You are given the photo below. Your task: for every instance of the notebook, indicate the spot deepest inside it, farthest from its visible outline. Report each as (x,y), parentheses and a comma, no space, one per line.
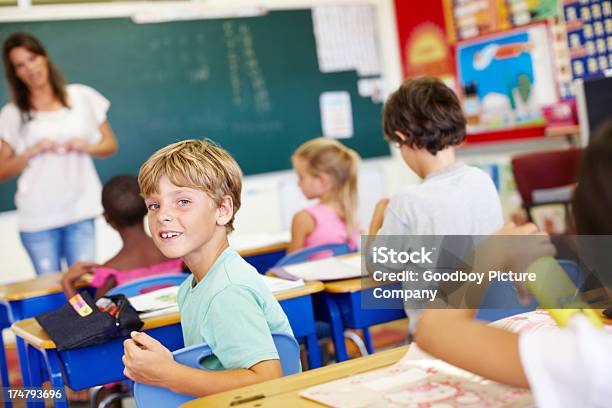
(157,303)
(323,269)
(280,285)
(420,382)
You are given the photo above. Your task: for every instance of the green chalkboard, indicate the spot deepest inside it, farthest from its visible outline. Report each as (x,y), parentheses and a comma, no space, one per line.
(251,84)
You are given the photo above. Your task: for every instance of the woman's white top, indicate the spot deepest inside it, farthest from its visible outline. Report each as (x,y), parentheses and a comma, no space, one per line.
(57,188)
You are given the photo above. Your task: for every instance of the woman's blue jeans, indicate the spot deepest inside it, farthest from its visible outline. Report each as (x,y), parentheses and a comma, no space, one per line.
(73,242)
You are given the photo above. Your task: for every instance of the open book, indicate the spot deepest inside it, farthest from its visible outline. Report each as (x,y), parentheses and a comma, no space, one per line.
(422,382)
(157,303)
(322,269)
(280,285)
(163,301)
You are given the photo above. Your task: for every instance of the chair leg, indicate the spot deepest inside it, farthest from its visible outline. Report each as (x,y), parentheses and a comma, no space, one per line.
(94,396)
(357,341)
(367,338)
(113,397)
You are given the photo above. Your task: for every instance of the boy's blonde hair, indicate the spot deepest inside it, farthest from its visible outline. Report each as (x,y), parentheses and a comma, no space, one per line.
(197,164)
(341,163)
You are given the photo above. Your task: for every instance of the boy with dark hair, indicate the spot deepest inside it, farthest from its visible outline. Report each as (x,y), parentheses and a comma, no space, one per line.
(124,210)
(423,118)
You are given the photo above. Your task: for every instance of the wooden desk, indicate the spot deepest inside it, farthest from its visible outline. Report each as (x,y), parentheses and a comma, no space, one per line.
(29,298)
(266,254)
(100,364)
(283,392)
(341,307)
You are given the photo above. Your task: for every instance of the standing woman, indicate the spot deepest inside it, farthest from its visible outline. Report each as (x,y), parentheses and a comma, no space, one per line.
(48,135)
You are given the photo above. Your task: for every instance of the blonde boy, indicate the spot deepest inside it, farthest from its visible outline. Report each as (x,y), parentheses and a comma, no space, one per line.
(192,192)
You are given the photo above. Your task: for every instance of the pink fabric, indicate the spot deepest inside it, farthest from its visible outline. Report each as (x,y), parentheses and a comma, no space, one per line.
(101,274)
(329,229)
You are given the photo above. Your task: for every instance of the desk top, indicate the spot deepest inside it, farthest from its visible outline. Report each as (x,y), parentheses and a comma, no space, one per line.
(284,391)
(52,283)
(32,333)
(38,286)
(264,249)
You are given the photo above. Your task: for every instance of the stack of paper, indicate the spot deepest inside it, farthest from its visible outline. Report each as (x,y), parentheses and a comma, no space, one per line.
(157,303)
(280,285)
(323,269)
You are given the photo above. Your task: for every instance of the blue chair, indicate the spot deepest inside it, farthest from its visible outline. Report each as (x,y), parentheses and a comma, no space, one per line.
(150,396)
(305,254)
(501,298)
(136,287)
(573,271)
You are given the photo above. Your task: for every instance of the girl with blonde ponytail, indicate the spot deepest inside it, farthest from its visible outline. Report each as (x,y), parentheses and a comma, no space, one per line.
(326,170)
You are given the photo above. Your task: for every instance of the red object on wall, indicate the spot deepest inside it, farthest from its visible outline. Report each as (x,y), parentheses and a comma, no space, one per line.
(424,47)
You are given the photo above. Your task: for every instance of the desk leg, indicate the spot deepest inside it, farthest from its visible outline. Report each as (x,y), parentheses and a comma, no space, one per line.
(337,328)
(367,339)
(23,361)
(54,368)
(314,354)
(34,371)
(4,370)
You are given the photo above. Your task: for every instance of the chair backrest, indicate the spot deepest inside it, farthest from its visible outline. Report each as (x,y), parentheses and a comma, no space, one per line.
(573,272)
(319,251)
(501,301)
(138,286)
(542,170)
(151,396)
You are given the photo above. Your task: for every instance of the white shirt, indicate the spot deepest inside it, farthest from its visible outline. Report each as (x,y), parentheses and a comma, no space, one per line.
(56,189)
(459,200)
(571,367)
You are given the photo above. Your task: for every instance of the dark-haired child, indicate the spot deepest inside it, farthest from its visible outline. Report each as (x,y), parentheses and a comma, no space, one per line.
(423,118)
(124,210)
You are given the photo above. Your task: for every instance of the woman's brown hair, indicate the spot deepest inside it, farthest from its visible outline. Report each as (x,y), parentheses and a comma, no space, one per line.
(20,94)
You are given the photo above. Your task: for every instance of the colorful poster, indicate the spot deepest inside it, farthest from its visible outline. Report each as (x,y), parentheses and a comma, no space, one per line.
(527,11)
(424,46)
(589,36)
(511,75)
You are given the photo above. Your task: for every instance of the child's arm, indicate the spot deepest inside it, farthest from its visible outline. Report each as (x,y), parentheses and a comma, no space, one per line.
(110,283)
(70,277)
(302,225)
(147,361)
(378,216)
(454,336)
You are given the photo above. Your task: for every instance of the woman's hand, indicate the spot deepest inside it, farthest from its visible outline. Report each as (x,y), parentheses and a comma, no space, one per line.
(43,146)
(75,145)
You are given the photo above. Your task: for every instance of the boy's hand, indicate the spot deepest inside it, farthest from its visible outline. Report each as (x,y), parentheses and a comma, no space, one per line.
(146,360)
(378,217)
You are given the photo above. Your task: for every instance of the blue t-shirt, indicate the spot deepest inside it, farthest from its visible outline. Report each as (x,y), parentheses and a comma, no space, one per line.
(234,312)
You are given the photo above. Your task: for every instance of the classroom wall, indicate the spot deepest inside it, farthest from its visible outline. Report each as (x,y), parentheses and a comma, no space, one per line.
(269,200)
